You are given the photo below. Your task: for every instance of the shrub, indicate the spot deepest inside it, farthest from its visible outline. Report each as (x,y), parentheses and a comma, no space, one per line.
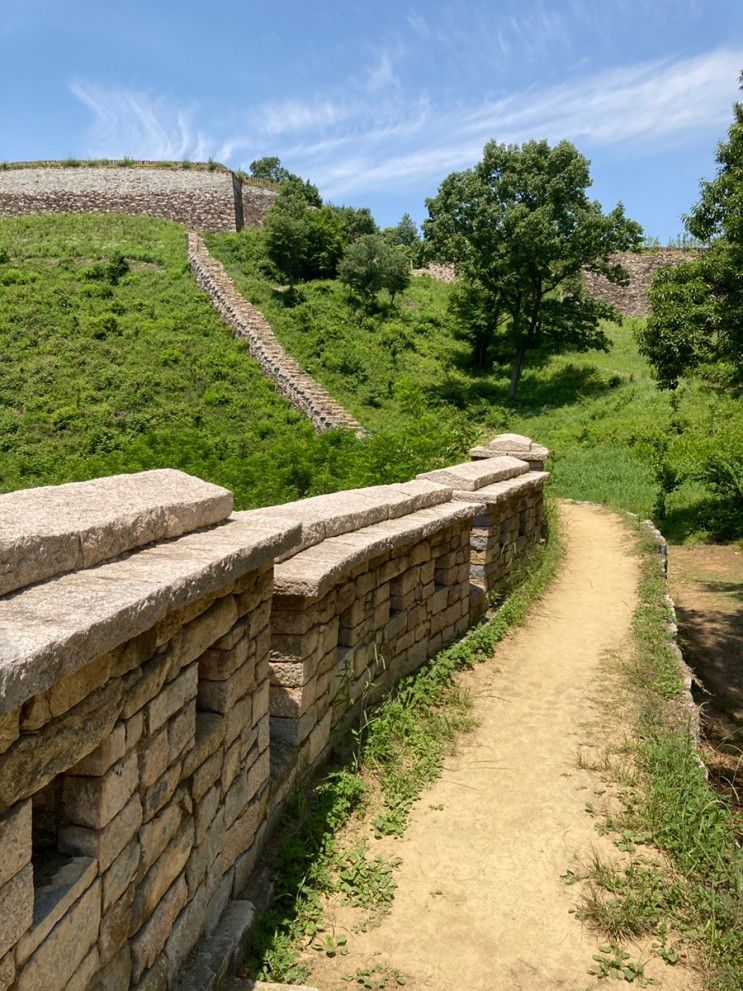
(371,264)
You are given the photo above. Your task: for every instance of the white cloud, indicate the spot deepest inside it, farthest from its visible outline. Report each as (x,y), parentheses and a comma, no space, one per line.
(357,141)
(128,122)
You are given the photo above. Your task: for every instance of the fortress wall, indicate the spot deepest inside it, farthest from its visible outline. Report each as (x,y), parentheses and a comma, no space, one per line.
(632,300)
(213,200)
(168,667)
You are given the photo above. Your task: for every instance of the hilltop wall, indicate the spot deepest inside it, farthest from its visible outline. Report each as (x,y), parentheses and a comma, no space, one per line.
(169,669)
(214,200)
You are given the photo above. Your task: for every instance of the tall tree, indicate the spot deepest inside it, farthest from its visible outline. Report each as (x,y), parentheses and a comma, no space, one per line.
(520,228)
(696,319)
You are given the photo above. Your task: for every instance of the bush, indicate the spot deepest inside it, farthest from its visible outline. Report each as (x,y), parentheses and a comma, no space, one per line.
(371,264)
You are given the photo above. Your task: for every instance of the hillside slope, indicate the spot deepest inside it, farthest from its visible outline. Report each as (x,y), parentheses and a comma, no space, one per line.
(113,360)
(614,436)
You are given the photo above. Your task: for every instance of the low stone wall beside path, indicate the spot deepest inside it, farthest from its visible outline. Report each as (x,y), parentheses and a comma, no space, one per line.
(169,666)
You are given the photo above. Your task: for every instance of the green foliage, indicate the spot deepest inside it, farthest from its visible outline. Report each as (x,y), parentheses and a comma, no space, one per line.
(112,360)
(356,221)
(303,242)
(269,168)
(521,226)
(370,264)
(601,415)
(696,323)
(672,806)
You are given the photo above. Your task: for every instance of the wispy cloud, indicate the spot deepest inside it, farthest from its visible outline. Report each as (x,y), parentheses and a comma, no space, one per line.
(128,122)
(356,142)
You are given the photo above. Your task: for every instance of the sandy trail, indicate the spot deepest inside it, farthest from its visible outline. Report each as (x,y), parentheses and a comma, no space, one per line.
(480,904)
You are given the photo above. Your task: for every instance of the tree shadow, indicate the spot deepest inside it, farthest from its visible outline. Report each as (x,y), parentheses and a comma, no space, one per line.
(562,387)
(711,515)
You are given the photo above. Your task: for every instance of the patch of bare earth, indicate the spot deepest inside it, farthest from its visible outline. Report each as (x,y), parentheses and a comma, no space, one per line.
(481,904)
(706,583)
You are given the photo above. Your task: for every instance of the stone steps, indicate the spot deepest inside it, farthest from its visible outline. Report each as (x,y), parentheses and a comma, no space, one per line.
(303,392)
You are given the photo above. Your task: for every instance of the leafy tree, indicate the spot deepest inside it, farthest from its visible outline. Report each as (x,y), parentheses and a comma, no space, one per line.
(357,221)
(696,320)
(270,169)
(478,315)
(405,232)
(521,226)
(303,242)
(370,264)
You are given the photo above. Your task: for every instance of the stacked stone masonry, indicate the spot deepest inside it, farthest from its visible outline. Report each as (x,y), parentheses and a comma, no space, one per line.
(159,652)
(249,324)
(216,200)
(631,300)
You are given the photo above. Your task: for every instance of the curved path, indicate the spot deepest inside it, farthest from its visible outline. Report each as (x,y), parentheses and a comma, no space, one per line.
(480,904)
(249,324)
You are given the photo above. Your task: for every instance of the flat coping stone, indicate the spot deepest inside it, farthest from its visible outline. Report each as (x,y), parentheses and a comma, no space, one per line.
(54,628)
(516,445)
(58,528)
(502,491)
(314,571)
(331,515)
(474,475)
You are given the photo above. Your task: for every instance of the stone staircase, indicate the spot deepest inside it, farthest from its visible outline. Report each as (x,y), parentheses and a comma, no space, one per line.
(248,323)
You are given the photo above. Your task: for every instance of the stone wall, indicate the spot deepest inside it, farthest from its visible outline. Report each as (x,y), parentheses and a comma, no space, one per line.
(167,669)
(213,200)
(249,324)
(632,300)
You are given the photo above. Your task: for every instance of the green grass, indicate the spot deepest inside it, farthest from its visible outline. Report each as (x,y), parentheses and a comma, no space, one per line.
(381,769)
(600,413)
(104,372)
(695,899)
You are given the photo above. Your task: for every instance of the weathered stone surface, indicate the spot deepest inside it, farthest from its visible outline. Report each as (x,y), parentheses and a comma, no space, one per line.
(33,760)
(115,925)
(53,899)
(116,975)
(502,491)
(104,845)
(9,730)
(73,688)
(162,874)
(203,631)
(121,873)
(95,801)
(15,840)
(156,978)
(80,980)
(155,835)
(186,931)
(52,629)
(151,938)
(514,444)
(109,750)
(473,475)
(16,907)
(66,946)
(57,528)
(7,971)
(173,697)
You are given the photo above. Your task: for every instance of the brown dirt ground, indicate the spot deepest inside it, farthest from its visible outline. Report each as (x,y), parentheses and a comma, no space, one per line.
(480,904)
(706,583)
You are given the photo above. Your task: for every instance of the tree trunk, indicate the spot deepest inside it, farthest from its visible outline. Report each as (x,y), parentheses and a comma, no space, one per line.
(518,361)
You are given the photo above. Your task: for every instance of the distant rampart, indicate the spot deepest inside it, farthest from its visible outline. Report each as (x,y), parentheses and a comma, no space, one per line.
(196,196)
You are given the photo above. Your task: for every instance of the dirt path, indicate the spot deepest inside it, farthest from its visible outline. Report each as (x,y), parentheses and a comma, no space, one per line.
(480,904)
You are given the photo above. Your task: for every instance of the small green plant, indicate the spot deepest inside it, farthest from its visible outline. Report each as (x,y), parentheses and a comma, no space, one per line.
(614,962)
(376,978)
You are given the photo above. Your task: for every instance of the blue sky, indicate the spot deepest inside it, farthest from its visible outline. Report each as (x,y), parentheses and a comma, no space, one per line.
(377,101)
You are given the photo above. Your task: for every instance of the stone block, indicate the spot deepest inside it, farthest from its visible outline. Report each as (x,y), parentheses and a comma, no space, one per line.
(182,730)
(95,801)
(151,938)
(156,978)
(104,845)
(204,856)
(16,907)
(9,729)
(67,691)
(155,835)
(162,874)
(115,925)
(208,735)
(215,665)
(53,898)
(205,776)
(205,812)
(202,632)
(143,684)
(116,975)
(80,980)
(32,761)
(220,696)
(15,840)
(7,971)
(243,714)
(186,932)
(58,958)
(121,874)
(109,750)
(161,792)
(35,713)
(153,757)
(172,697)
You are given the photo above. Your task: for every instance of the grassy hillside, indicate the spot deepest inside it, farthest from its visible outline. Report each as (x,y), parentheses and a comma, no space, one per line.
(112,367)
(601,413)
